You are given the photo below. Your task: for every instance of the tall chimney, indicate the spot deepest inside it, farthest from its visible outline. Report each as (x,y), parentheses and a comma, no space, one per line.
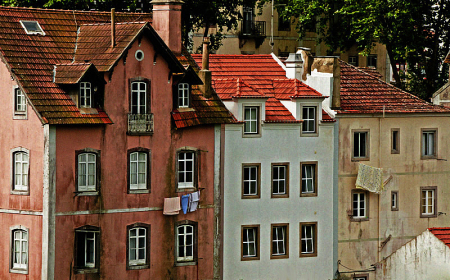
(336,96)
(113,27)
(205,74)
(167,22)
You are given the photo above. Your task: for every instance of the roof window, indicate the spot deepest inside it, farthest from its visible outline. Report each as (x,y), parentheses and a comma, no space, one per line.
(32,27)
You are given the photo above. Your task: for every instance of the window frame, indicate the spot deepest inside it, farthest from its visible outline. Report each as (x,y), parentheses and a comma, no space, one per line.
(367,144)
(395,140)
(314,238)
(364,276)
(245,121)
(23,268)
(434,206)
(97,172)
(181,95)
(366,199)
(195,243)
(394,194)
(286,241)
(258,181)
(356,60)
(370,59)
(137,265)
(24,189)
(84,269)
(196,164)
(256,228)
(315,179)
(19,114)
(286,180)
(83,95)
(147,188)
(435,143)
(315,120)
(147,93)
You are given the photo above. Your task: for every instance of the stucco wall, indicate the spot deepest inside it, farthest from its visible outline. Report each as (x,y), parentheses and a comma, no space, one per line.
(278,143)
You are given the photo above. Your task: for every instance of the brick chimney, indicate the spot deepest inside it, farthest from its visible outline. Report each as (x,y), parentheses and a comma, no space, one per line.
(205,74)
(167,22)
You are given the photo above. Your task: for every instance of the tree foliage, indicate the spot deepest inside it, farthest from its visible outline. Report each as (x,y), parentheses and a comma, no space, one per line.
(413,31)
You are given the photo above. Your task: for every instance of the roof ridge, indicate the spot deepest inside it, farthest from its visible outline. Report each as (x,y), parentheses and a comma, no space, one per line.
(64,10)
(109,23)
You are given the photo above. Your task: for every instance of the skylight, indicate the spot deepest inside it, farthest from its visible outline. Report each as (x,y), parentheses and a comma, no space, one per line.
(32,27)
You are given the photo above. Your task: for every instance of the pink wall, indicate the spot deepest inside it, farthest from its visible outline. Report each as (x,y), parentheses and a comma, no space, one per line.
(113,142)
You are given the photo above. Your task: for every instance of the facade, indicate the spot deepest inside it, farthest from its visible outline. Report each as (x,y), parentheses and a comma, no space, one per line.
(279,188)
(382,127)
(101,120)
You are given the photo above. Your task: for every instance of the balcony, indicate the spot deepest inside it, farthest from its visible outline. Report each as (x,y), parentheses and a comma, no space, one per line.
(140,124)
(252,30)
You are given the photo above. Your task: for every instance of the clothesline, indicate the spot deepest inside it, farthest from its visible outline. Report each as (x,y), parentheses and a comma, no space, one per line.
(187,203)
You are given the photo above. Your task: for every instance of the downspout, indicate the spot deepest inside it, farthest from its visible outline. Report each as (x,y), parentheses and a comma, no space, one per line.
(379,195)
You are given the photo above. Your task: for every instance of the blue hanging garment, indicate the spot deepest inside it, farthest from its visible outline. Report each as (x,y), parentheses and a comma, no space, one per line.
(184,203)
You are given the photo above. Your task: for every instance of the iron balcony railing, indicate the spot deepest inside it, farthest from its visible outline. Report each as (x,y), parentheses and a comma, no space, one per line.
(140,123)
(253,28)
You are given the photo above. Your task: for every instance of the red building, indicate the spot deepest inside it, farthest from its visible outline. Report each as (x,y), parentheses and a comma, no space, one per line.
(102,118)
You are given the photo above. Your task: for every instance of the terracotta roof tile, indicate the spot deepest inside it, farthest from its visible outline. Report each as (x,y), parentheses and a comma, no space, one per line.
(442,233)
(69,73)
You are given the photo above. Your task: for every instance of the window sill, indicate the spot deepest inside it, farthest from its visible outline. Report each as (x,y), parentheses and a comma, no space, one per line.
(190,189)
(428,157)
(308,255)
(250,258)
(16,192)
(360,159)
(308,194)
(85,270)
(352,219)
(309,134)
(185,263)
(251,135)
(18,270)
(428,216)
(17,116)
(138,191)
(136,267)
(250,196)
(86,193)
(274,257)
(286,195)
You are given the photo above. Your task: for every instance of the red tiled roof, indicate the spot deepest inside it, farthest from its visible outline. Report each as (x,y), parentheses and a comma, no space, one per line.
(442,233)
(363,93)
(31,58)
(70,73)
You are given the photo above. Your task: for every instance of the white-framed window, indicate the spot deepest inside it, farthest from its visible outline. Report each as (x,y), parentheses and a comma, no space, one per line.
(280,180)
(360,145)
(183,95)
(85,95)
(139,97)
(280,237)
(87,171)
(20,102)
(359,205)
(20,171)
(394,200)
(428,202)
(429,143)
(309,119)
(185,243)
(87,248)
(250,242)
(251,119)
(251,180)
(19,253)
(138,170)
(308,172)
(186,169)
(137,246)
(308,239)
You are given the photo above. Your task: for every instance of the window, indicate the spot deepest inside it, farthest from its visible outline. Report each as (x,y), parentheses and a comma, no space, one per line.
(186,242)
(19,250)
(364,276)
(429,143)
(283,24)
(187,170)
(280,180)
(247,24)
(87,249)
(139,97)
(251,120)
(309,119)
(428,202)
(308,174)
(359,205)
(360,145)
(183,95)
(85,95)
(372,61)
(32,27)
(395,141)
(353,60)
(308,239)
(20,170)
(280,237)
(20,102)
(251,174)
(88,171)
(138,246)
(138,170)
(394,200)
(250,242)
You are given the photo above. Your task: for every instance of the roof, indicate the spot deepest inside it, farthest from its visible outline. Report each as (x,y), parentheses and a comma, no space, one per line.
(364,93)
(442,233)
(70,73)
(258,76)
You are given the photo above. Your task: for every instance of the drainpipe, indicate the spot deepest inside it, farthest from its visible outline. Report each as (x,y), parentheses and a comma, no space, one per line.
(113,27)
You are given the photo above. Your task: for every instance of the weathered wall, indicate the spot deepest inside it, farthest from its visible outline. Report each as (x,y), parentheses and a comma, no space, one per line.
(113,142)
(359,241)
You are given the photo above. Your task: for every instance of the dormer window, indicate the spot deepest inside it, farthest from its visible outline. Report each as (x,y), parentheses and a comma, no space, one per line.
(85,95)
(309,119)
(32,27)
(251,119)
(183,95)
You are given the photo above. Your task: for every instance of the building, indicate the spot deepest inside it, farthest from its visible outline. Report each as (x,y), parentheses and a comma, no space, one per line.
(384,127)
(280,166)
(102,118)
(424,257)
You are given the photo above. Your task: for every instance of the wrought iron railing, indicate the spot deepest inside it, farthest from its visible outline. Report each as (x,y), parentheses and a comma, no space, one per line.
(253,28)
(140,123)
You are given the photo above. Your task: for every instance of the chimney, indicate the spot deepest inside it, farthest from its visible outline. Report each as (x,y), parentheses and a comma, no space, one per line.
(336,95)
(113,27)
(167,22)
(294,66)
(205,74)
(308,60)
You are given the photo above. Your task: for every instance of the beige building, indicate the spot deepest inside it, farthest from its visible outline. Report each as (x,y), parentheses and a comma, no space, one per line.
(254,36)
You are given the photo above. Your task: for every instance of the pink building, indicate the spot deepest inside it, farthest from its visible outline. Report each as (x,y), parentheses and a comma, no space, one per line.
(102,118)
